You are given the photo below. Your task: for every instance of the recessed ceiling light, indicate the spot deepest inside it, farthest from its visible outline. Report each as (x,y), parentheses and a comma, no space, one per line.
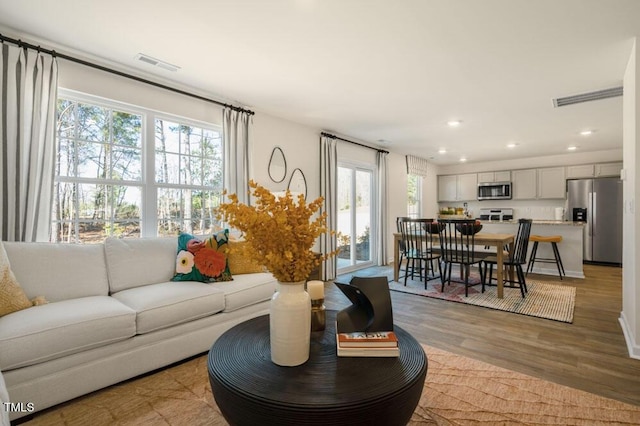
(442,151)
(586,132)
(454,123)
(512,145)
(462,159)
(572,148)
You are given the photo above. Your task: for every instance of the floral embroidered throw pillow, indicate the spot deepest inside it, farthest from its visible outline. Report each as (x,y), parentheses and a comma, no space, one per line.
(203,261)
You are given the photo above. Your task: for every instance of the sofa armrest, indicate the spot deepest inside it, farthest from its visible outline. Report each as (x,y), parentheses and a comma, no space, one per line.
(4,397)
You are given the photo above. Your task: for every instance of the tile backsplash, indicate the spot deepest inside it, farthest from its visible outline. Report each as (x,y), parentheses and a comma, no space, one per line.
(533,209)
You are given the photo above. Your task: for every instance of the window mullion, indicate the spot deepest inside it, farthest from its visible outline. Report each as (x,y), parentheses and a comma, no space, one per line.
(150,188)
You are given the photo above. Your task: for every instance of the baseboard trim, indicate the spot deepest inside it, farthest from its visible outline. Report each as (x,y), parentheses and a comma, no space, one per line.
(632,346)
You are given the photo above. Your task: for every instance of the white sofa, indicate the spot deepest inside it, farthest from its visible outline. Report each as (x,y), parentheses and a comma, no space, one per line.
(114,313)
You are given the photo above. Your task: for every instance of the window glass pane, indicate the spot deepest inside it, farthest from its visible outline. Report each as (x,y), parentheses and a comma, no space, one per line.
(167,136)
(413,195)
(363,215)
(186,173)
(91,231)
(167,168)
(127,202)
(66,119)
(64,159)
(212,173)
(92,201)
(127,129)
(93,123)
(92,160)
(127,163)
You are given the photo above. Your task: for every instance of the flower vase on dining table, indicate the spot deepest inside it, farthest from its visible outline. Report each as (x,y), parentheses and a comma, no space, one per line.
(290,324)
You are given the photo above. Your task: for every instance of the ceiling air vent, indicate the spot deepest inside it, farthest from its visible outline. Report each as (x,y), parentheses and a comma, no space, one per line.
(156,62)
(586,97)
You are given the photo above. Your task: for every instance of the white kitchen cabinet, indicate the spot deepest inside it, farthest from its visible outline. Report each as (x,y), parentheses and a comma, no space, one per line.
(503,176)
(608,169)
(551,183)
(468,187)
(458,187)
(580,171)
(594,170)
(524,184)
(448,188)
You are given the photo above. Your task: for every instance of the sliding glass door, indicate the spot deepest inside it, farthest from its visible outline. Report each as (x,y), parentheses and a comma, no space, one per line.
(355,213)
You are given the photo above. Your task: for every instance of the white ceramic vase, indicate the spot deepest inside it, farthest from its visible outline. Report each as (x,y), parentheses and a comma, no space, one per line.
(290,324)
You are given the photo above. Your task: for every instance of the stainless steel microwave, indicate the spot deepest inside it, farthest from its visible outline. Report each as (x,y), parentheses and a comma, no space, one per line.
(494,191)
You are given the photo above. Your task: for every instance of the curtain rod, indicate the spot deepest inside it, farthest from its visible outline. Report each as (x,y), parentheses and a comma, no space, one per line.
(53,53)
(329,135)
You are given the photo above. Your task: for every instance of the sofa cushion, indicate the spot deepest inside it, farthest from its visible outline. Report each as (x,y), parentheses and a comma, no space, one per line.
(12,297)
(138,262)
(246,290)
(204,261)
(59,271)
(166,304)
(62,328)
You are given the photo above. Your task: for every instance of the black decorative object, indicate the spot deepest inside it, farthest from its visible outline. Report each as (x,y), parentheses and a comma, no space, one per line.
(277,165)
(371,309)
(298,183)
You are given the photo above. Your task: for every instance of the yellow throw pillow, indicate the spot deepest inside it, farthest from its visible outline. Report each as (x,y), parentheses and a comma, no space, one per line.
(239,263)
(12,297)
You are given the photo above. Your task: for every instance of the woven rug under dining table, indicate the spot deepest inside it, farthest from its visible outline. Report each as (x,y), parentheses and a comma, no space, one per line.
(543,300)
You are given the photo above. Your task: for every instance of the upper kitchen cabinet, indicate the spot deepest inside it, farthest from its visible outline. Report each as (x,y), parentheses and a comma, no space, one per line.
(608,169)
(594,170)
(458,187)
(524,184)
(551,182)
(580,171)
(503,176)
(468,187)
(545,183)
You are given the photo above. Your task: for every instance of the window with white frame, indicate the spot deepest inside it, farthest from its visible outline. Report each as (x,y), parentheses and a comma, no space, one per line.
(414,195)
(128,172)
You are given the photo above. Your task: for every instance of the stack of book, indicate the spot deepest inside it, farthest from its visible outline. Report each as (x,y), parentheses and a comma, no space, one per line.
(368,344)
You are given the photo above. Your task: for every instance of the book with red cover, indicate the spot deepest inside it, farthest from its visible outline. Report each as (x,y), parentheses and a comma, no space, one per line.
(375,339)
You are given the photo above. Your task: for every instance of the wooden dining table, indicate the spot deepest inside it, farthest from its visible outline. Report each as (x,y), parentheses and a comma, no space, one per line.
(482,239)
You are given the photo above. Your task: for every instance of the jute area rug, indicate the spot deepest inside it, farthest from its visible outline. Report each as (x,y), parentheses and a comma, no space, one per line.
(457,391)
(544,300)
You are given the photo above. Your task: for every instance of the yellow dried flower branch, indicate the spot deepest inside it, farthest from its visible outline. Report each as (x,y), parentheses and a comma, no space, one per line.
(279,231)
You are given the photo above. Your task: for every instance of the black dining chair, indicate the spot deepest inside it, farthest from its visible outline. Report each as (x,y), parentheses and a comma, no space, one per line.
(416,243)
(401,245)
(457,242)
(515,259)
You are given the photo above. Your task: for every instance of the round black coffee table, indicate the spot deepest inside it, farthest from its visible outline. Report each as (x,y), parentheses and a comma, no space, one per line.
(326,390)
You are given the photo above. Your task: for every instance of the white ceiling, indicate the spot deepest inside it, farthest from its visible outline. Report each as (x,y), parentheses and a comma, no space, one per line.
(375,70)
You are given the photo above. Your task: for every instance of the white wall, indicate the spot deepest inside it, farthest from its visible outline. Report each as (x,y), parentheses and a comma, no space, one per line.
(110,86)
(629,318)
(300,145)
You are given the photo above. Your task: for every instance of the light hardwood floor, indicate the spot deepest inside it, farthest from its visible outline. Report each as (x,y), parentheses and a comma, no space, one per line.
(590,354)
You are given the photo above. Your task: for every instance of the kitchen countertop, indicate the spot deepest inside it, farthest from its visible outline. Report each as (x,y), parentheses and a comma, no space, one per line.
(537,222)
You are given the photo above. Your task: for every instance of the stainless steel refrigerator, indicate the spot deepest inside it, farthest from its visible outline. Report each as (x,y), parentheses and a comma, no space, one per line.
(598,202)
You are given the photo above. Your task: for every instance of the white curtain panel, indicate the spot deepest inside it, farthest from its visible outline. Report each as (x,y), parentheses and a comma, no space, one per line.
(235,129)
(416,166)
(28,93)
(328,190)
(381,210)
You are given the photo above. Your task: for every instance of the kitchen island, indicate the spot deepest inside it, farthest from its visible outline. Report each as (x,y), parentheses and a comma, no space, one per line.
(571,247)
